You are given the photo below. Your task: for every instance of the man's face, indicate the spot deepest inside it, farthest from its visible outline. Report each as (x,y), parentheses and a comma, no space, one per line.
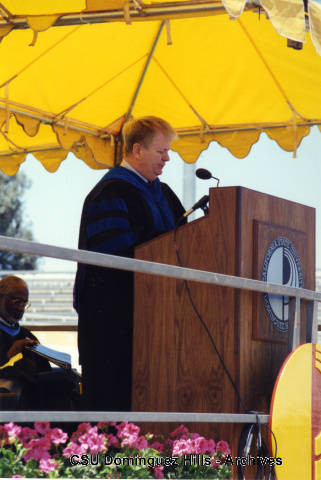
(150,160)
(15,301)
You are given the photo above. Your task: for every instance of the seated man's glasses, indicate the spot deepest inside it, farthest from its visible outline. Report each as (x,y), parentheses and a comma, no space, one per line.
(17,302)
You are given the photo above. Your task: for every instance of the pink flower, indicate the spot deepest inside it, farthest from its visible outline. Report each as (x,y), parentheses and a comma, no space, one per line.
(74,449)
(42,427)
(82,428)
(127,430)
(215,462)
(112,440)
(183,447)
(57,436)
(92,440)
(84,437)
(26,434)
(16,476)
(200,445)
(129,440)
(47,466)
(194,435)
(12,430)
(37,449)
(181,430)
(96,444)
(93,431)
(223,447)
(157,446)
(141,443)
(158,471)
(211,446)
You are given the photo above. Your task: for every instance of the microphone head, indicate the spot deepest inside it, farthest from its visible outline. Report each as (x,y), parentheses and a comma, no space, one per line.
(203,174)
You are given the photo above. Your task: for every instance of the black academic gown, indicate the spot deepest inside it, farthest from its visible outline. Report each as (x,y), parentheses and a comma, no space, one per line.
(38,386)
(105,297)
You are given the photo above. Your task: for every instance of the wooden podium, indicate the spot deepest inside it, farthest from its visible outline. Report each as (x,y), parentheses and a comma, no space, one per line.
(175,367)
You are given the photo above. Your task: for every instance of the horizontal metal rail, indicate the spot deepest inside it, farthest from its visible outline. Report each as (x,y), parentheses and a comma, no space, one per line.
(26,416)
(141,266)
(152,268)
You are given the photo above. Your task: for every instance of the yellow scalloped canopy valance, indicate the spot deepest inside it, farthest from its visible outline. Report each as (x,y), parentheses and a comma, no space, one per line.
(70,77)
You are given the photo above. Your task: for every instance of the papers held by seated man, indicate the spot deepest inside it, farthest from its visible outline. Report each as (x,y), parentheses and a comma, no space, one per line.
(61,359)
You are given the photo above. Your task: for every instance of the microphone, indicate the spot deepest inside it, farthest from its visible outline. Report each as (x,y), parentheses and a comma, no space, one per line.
(206,175)
(200,204)
(203,174)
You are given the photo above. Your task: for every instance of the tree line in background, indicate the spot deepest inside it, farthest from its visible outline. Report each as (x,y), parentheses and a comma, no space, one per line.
(13,222)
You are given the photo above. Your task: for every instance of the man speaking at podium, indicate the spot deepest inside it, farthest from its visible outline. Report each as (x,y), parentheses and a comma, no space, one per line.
(126,208)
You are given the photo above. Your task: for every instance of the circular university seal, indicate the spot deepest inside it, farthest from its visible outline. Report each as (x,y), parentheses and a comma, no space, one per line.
(281,265)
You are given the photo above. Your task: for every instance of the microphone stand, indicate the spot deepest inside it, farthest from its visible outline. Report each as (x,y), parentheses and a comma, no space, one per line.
(205,209)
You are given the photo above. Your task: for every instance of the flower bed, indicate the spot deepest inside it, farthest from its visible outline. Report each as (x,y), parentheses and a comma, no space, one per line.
(108,450)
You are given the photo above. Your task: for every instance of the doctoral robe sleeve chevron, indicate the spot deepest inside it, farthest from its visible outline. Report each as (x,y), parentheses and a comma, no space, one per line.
(108,228)
(108,224)
(117,216)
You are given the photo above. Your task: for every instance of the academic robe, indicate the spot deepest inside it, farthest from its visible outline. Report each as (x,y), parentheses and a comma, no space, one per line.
(121,212)
(38,386)
(25,369)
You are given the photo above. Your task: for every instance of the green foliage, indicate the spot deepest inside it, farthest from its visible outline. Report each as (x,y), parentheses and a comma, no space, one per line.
(12,221)
(11,460)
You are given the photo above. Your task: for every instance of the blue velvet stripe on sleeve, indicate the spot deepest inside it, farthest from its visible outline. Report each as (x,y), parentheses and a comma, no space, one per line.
(107,206)
(110,223)
(119,242)
(152,194)
(108,228)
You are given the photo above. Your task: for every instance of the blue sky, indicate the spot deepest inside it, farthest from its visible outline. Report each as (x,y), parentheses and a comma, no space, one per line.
(53,204)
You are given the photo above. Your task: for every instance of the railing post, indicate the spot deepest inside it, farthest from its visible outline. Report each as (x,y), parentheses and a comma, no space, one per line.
(312,322)
(294,322)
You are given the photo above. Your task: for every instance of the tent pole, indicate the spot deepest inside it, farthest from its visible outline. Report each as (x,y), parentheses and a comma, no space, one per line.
(189,186)
(154,12)
(141,79)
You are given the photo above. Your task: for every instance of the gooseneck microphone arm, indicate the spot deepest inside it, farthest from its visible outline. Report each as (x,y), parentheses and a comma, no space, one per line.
(202,203)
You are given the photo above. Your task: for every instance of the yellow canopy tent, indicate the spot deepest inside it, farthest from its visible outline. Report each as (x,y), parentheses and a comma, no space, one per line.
(72,72)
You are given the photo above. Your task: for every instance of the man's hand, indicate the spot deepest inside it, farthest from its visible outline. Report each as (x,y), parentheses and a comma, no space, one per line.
(19,345)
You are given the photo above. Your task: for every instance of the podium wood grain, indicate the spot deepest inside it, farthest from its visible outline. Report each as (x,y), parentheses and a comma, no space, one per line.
(175,367)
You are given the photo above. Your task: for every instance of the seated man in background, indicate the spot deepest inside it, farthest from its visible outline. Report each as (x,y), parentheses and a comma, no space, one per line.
(39,387)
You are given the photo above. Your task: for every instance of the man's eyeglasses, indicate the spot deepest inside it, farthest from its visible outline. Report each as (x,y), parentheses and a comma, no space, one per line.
(16,302)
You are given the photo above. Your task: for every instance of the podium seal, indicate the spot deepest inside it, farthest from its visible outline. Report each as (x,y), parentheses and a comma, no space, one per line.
(281,265)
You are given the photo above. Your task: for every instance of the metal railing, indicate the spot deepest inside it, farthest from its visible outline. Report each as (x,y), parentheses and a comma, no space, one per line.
(153,268)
